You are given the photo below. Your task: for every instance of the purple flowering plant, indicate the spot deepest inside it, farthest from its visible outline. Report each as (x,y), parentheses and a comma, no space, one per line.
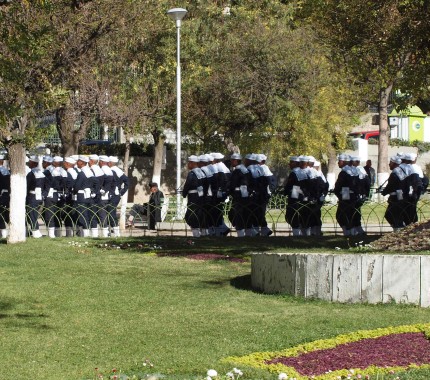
(368,354)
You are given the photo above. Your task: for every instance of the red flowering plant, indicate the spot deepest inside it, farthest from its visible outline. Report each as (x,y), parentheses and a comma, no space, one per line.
(359,355)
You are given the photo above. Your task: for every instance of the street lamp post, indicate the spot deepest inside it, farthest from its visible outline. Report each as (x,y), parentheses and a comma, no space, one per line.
(177,14)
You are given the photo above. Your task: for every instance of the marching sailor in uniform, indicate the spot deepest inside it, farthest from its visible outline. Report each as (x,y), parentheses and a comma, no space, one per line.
(69,214)
(36,191)
(83,189)
(195,193)
(345,189)
(107,189)
(4,197)
(396,188)
(240,180)
(120,188)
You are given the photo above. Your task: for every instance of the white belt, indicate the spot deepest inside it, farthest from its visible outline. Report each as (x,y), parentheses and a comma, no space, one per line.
(193,192)
(237,189)
(86,192)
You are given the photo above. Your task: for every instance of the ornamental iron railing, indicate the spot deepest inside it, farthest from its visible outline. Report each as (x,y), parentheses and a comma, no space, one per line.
(372,217)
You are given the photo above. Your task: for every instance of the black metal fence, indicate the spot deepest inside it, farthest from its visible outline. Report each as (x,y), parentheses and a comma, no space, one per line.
(173,222)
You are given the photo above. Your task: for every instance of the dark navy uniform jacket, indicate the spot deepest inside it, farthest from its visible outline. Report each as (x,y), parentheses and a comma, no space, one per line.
(120,180)
(108,185)
(4,186)
(84,185)
(37,186)
(194,187)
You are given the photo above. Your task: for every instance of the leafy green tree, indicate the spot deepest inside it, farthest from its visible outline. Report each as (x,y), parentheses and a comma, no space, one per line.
(139,74)
(383,44)
(43,47)
(255,79)
(79,27)
(25,89)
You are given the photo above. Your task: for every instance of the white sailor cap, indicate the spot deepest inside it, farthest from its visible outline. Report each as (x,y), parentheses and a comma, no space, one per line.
(409,156)
(113,159)
(70,160)
(261,157)
(317,164)
(396,160)
(83,158)
(355,158)
(312,159)
(217,156)
(251,157)
(75,157)
(48,159)
(303,158)
(94,157)
(34,159)
(344,157)
(235,156)
(294,158)
(400,154)
(104,158)
(193,158)
(1,156)
(58,159)
(203,158)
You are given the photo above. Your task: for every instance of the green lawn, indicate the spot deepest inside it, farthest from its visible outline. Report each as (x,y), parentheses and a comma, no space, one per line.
(65,309)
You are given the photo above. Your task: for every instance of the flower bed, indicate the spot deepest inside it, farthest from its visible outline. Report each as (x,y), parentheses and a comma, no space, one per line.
(363,352)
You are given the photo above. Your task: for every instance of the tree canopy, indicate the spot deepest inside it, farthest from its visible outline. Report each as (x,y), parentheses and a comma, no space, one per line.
(254,78)
(284,76)
(383,45)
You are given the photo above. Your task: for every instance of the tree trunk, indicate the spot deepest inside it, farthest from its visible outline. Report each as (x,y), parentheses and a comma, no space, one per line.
(69,149)
(126,154)
(331,166)
(69,133)
(384,131)
(159,140)
(231,147)
(18,191)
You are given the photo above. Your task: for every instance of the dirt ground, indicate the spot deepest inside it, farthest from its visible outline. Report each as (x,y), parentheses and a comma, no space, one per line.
(415,237)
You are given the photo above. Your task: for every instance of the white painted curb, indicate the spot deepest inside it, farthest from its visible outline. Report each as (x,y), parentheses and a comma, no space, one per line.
(353,278)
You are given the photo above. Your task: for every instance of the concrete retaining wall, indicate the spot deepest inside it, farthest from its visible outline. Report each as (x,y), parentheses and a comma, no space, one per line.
(350,278)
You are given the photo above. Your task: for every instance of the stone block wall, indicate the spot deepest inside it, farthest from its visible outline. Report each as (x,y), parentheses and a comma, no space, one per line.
(349,278)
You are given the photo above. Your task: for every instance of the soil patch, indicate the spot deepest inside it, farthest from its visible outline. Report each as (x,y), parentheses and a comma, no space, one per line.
(415,237)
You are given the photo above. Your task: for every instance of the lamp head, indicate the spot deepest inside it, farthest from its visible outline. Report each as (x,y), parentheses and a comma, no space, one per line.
(177,14)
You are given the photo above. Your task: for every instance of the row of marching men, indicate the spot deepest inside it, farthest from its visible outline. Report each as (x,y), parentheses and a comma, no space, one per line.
(404,187)
(306,189)
(352,188)
(250,183)
(80,193)
(209,184)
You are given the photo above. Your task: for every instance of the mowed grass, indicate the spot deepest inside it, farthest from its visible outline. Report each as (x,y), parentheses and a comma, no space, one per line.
(65,309)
